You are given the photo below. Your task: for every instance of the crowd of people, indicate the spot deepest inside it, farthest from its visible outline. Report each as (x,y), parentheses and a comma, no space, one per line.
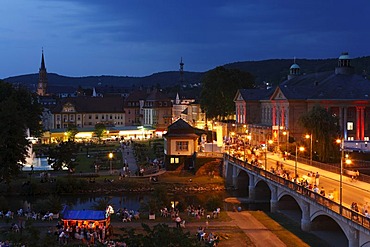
(255,155)
(86,234)
(127,215)
(210,238)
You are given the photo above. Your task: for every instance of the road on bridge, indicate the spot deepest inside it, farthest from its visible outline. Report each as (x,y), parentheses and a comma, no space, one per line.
(353,191)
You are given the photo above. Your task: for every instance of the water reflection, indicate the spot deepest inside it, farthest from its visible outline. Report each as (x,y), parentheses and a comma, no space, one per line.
(133,201)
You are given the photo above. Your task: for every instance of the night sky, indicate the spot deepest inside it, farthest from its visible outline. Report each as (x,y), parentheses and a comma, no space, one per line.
(142,37)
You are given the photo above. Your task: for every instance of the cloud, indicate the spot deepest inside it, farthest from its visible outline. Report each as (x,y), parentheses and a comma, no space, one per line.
(92,37)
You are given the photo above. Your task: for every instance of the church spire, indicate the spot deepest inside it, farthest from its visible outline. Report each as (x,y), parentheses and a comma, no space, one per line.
(42,61)
(43,80)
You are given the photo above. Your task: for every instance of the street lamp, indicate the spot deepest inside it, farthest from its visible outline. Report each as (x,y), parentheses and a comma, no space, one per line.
(310,137)
(267,142)
(296,160)
(249,137)
(285,133)
(347,161)
(110,156)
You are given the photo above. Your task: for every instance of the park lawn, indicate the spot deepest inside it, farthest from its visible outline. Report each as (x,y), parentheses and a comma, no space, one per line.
(86,163)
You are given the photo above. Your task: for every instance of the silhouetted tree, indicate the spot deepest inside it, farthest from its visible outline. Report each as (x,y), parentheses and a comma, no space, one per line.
(19,111)
(99,130)
(161,235)
(63,155)
(72,131)
(219,87)
(324,128)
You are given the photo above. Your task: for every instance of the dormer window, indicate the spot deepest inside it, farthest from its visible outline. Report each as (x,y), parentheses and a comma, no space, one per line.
(68,108)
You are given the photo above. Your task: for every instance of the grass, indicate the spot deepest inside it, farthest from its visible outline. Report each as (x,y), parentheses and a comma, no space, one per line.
(174,177)
(287,230)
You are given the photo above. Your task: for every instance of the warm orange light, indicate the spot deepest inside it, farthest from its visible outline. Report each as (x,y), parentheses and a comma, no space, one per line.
(308,136)
(110,155)
(338,141)
(270,141)
(348,161)
(301,149)
(285,133)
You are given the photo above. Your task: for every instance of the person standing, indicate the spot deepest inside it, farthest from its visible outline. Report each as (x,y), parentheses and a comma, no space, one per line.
(317,178)
(178,221)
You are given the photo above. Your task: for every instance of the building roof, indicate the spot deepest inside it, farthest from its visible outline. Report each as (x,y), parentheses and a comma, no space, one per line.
(157,95)
(84,215)
(93,104)
(255,94)
(326,85)
(295,66)
(180,128)
(137,95)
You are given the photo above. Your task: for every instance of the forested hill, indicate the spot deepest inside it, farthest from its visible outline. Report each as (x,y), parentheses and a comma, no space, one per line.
(276,70)
(273,71)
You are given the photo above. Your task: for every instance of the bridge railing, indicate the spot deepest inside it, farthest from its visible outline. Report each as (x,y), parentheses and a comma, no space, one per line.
(342,210)
(335,167)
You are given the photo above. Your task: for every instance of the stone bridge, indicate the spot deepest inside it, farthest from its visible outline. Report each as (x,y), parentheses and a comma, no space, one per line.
(316,213)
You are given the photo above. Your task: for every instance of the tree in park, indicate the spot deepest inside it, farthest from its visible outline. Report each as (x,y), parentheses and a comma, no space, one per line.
(324,128)
(160,235)
(72,131)
(63,155)
(19,111)
(219,87)
(99,131)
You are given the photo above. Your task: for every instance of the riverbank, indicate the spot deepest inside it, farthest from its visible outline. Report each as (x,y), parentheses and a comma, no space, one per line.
(64,184)
(234,228)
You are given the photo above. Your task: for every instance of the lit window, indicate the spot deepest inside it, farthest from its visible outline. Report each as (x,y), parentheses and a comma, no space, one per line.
(182,146)
(366,138)
(350,138)
(349,125)
(174,160)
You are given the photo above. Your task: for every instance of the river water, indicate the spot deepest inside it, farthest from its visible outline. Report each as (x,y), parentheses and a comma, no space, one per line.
(133,201)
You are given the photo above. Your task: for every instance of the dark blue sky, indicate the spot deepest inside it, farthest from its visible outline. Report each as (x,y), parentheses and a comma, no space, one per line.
(141,37)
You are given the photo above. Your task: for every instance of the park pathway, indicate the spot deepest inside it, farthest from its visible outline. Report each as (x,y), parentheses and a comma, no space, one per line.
(258,233)
(129,157)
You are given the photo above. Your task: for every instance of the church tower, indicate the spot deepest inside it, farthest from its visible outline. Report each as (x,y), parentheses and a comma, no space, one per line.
(43,80)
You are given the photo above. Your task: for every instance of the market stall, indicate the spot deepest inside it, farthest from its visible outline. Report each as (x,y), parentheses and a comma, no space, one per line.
(86,218)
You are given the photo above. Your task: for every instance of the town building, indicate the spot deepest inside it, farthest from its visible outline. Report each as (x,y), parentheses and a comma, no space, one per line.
(133,105)
(188,109)
(88,111)
(270,113)
(180,145)
(157,111)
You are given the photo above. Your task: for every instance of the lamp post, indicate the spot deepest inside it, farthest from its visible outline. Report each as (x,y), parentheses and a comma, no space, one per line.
(110,156)
(296,160)
(285,133)
(267,142)
(310,137)
(348,161)
(341,142)
(249,137)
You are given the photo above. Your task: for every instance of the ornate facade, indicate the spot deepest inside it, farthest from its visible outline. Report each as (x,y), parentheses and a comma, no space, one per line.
(342,92)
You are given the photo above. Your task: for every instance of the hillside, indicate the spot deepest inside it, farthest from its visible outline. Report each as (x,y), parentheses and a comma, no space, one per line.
(273,70)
